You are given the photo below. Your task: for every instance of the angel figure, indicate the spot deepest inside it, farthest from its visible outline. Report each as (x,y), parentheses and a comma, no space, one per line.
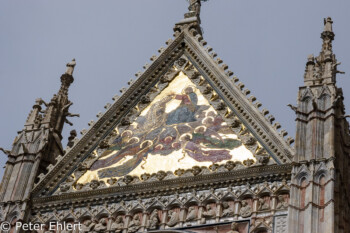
(192,214)
(101,226)
(246,209)
(282,204)
(135,224)
(227,210)
(153,219)
(210,212)
(173,217)
(118,225)
(263,205)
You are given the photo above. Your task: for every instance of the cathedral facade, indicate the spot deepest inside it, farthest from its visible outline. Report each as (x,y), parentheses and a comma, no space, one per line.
(185,148)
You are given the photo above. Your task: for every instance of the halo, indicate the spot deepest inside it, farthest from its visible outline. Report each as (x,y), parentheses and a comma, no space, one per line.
(192,86)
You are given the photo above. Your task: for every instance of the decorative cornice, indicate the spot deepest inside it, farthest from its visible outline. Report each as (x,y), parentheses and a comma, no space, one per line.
(215,180)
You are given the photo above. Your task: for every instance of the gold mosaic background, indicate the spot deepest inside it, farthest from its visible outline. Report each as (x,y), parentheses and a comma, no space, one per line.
(179,129)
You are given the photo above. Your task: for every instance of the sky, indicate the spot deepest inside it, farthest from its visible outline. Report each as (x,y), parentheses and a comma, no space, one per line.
(265,43)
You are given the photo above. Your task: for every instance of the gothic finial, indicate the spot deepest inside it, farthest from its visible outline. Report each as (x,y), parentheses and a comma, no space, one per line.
(327,35)
(70,67)
(323,68)
(67,78)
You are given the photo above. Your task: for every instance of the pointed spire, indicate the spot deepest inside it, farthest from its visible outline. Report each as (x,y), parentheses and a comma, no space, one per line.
(67,78)
(58,109)
(323,69)
(327,36)
(34,119)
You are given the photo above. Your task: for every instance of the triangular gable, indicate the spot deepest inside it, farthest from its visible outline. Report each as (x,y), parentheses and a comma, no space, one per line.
(184,57)
(179,129)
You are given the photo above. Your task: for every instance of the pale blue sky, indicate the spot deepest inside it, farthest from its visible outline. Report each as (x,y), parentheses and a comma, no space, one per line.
(265,43)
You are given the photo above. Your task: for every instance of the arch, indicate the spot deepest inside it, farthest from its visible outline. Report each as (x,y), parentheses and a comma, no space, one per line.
(174,205)
(136,210)
(157,206)
(322,172)
(118,213)
(282,192)
(324,101)
(303,184)
(303,175)
(11,216)
(12,221)
(68,218)
(228,198)
(36,145)
(246,196)
(84,218)
(192,202)
(322,191)
(306,104)
(209,202)
(101,215)
(264,194)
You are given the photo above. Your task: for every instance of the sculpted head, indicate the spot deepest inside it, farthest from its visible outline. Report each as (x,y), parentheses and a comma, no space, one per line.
(119,219)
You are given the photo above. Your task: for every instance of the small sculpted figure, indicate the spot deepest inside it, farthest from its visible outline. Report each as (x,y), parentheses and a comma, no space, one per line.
(118,225)
(210,212)
(234,228)
(263,205)
(101,226)
(195,6)
(192,214)
(70,67)
(153,219)
(87,226)
(135,224)
(228,210)
(282,204)
(173,218)
(246,210)
(328,24)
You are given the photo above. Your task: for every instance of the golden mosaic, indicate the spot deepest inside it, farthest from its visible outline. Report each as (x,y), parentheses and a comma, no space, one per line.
(179,129)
